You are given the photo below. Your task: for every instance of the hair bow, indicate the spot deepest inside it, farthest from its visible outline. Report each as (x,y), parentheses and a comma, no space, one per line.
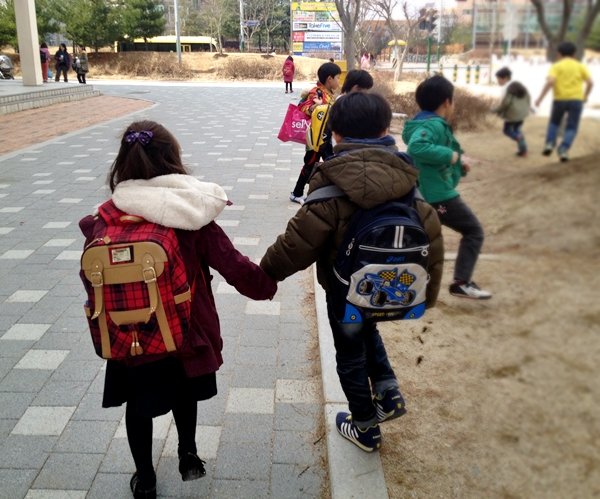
(142,137)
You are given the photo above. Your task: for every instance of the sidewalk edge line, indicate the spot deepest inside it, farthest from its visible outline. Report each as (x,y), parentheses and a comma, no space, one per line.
(352,472)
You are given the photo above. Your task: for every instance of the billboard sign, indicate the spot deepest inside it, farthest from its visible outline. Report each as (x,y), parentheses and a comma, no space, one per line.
(322,26)
(316,30)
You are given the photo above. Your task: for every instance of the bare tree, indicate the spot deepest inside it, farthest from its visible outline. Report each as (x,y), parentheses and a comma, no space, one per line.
(399,30)
(217,13)
(349,11)
(555,38)
(364,30)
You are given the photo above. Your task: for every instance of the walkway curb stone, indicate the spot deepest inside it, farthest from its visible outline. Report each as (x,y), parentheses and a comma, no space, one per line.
(352,472)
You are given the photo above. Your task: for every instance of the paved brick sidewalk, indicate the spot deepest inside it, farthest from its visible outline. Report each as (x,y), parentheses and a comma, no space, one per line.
(31,127)
(258,434)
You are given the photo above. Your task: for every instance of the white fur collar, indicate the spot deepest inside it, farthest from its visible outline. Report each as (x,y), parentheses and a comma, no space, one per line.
(177,201)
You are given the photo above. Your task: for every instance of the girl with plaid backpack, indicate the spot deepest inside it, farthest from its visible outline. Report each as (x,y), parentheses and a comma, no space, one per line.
(152,190)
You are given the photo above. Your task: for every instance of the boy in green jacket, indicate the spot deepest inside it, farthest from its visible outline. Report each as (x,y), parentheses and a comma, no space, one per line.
(437,154)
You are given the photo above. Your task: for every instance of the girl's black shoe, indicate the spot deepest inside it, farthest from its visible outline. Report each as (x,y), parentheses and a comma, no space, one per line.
(139,493)
(191,467)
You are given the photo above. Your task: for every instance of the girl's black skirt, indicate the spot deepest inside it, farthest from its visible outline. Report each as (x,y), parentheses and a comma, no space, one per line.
(155,388)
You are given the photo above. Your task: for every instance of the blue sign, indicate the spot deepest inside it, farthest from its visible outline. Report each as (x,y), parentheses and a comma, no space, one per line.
(317,46)
(252,23)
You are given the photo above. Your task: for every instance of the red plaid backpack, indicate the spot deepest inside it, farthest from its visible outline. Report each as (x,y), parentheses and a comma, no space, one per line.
(139,299)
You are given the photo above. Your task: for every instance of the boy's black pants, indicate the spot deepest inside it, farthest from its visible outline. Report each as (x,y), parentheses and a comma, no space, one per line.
(455,214)
(361,357)
(310,159)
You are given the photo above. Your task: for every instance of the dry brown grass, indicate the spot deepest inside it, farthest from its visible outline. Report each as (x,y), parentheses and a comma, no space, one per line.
(197,66)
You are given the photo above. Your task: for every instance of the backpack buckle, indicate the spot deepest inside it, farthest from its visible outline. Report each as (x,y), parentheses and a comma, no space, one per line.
(151,277)
(96,279)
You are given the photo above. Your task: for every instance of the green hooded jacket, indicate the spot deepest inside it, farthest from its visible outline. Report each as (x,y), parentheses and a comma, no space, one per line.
(430,144)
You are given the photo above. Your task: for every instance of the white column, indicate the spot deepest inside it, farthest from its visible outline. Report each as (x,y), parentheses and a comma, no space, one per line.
(27,34)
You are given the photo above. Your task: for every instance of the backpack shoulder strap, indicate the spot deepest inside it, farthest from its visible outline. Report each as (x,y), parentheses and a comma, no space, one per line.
(324,193)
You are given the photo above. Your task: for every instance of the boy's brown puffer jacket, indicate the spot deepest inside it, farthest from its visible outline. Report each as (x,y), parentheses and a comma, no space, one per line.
(369,176)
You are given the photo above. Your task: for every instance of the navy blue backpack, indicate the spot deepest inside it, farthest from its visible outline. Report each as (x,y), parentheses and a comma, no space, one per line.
(381,270)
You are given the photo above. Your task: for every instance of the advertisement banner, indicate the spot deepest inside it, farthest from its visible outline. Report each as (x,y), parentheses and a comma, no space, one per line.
(320,36)
(314,6)
(299,15)
(321,47)
(298,36)
(322,26)
(297,46)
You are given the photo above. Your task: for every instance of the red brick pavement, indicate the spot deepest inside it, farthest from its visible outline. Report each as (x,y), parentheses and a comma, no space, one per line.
(27,128)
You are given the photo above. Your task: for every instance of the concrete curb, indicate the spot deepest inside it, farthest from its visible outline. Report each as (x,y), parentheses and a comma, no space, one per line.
(352,472)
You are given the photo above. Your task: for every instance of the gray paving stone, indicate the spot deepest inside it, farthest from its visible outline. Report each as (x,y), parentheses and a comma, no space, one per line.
(90,409)
(26,451)
(25,380)
(14,405)
(86,436)
(110,485)
(295,332)
(169,483)
(257,356)
(261,323)
(245,376)
(243,461)
(211,412)
(61,393)
(15,483)
(247,428)
(239,489)
(289,481)
(6,321)
(254,338)
(118,457)
(294,447)
(14,348)
(297,417)
(58,341)
(6,426)
(6,364)
(68,471)
(77,370)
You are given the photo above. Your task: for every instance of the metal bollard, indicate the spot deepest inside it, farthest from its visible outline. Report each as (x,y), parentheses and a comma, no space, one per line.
(455,73)
(477,75)
(441,70)
(469,73)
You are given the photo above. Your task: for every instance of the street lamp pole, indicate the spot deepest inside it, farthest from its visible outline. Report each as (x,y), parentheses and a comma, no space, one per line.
(241,25)
(177,32)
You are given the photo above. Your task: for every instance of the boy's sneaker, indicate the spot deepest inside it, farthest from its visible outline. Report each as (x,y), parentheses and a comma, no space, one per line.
(563,155)
(389,404)
(522,154)
(469,290)
(297,199)
(368,440)
(548,149)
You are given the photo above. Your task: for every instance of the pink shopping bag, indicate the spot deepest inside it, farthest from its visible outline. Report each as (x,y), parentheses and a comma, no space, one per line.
(295,125)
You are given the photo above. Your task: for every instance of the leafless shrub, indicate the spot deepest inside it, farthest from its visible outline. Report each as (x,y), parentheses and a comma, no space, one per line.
(471,112)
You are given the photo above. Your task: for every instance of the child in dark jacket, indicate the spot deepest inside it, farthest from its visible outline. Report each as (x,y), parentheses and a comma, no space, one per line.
(329,80)
(149,180)
(437,153)
(370,172)
(514,108)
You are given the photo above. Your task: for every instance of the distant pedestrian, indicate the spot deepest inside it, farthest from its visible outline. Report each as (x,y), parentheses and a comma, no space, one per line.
(364,62)
(437,154)
(566,78)
(63,62)
(45,58)
(288,74)
(82,69)
(514,108)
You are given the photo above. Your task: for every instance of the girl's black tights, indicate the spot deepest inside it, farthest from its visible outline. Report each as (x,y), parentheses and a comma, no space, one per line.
(139,435)
(290,85)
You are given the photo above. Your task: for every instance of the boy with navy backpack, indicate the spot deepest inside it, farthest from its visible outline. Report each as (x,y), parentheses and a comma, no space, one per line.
(358,223)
